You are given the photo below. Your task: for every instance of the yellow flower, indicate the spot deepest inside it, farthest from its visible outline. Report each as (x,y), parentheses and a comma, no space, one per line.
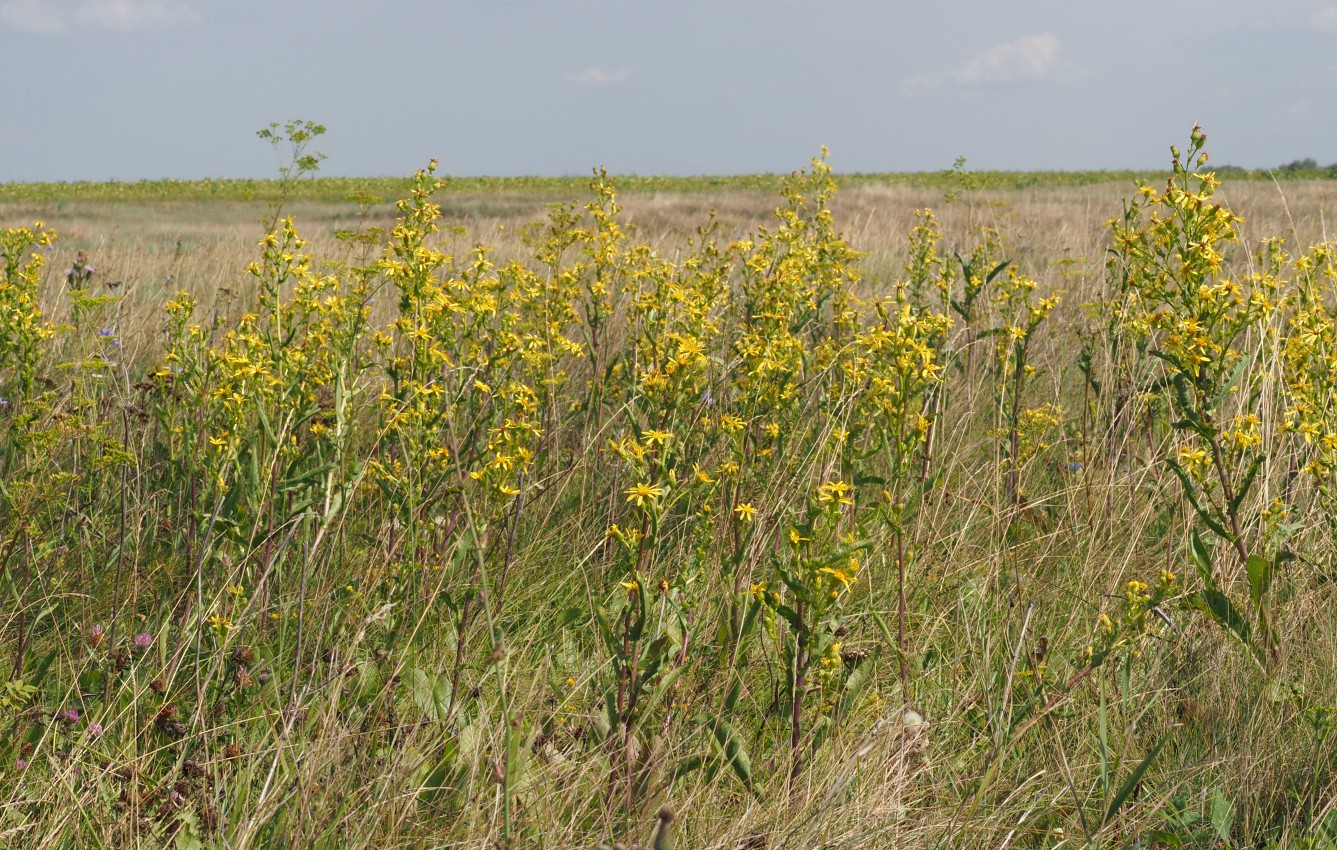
(835,491)
(745,512)
(658,438)
(643,492)
(839,575)
(796,538)
(730,424)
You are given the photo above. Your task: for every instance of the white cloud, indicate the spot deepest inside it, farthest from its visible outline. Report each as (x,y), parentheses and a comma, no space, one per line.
(35,16)
(600,77)
(1325,20)
(1030,59)
(1026,60)
(131,15)
(48,16)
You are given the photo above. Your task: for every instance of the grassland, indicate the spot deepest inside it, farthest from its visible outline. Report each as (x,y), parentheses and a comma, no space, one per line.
(338,190)
(838,528)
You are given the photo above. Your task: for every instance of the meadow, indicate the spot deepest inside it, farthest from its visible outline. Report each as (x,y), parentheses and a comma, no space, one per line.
(952,510)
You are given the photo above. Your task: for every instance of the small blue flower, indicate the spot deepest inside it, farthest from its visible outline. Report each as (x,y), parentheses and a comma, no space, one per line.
(1075,466)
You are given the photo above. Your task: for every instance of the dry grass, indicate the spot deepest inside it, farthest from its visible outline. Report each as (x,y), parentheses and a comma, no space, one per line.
(986,607)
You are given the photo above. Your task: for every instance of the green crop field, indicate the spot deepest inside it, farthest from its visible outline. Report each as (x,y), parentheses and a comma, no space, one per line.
(863,511)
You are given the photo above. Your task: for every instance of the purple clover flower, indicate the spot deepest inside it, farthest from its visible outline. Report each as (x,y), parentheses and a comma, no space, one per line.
(143,640)
(95,729)
(70,716)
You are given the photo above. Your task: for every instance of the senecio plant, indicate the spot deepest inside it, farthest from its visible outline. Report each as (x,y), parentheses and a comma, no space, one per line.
(1216,335)
(590,537)
(22,328)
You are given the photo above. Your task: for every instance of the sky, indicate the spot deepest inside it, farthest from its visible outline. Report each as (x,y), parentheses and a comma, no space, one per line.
(149,89)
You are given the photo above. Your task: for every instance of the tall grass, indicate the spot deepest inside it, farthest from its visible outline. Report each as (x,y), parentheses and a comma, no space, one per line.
(814,522)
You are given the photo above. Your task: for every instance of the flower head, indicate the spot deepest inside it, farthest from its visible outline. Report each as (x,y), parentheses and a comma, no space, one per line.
(641,493)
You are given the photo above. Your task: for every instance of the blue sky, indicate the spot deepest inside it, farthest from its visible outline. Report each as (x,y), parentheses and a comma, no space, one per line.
(132,89)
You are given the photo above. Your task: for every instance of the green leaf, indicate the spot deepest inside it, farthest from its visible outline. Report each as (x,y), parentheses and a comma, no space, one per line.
(610,709)
(1131,782)
(1245,485)
(1260,577)
(731,696)
(751,608)
(1202,558)
(1219,606)
(1326,829)
(308,477)
(638,619)
(1222,814)
(187,836)
(657,696)
(849,696)
(368,684)
(443,776)
(997,270)
(1192,495)
(687,766)
(732,750)
(266,425)
(841,554)
(1235,376)
(430,693)
(40,670)
(821,727)
(573,616)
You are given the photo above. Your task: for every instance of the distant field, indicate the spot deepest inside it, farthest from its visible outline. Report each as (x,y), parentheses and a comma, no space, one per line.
(335,189)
